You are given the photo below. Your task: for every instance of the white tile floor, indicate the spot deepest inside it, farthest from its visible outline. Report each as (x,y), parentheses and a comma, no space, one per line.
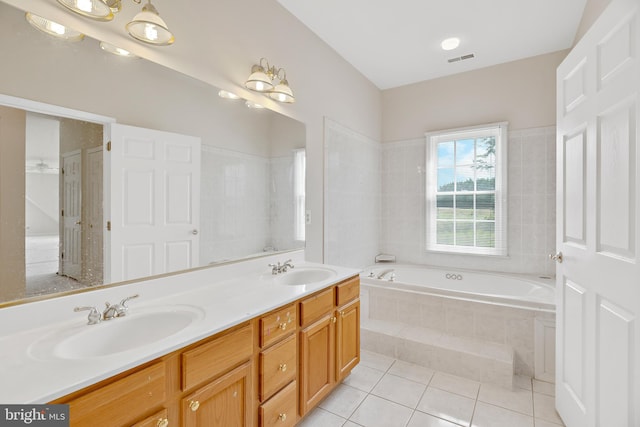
(384,392)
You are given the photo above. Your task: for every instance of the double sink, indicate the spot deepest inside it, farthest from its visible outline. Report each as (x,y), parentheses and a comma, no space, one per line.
(145,326)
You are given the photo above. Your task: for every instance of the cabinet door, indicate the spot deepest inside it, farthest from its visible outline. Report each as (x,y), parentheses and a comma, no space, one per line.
(317,362)
(347,338)
(225,402)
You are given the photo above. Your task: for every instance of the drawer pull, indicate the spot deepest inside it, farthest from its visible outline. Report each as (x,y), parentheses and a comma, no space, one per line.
(282,417)
(282,367)
(162,422)
(334,319)
(194,405)
(282,326)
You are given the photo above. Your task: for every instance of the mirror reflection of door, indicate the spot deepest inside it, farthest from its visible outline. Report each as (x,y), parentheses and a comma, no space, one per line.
(60,245)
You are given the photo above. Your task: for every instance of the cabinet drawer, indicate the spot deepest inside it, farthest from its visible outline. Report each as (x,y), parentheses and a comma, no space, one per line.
(316,306)
(215,357)
(277,367)
(348,290)
(277,325)
(122,402)
(159,419)
(280,410)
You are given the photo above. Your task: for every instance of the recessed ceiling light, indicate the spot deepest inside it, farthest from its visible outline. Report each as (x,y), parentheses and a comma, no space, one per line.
(450,44)
(227,95)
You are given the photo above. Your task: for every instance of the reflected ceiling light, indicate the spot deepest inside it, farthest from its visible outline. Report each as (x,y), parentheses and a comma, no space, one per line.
(450,44)
(148,27)
(252,104)
(263,77)
(53,28)
(94,9)
(227,95)
(108,47)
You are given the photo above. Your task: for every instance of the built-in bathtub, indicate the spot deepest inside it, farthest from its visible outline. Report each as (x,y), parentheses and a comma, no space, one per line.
(486,326)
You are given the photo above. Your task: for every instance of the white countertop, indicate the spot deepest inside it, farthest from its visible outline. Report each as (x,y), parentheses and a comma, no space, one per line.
(223,296)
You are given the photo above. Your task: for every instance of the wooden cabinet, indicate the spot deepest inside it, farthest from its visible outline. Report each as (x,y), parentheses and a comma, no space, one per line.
(225,402)
(268,371)
(330,346)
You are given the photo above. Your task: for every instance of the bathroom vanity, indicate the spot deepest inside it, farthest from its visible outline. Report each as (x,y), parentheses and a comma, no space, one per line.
(287,345)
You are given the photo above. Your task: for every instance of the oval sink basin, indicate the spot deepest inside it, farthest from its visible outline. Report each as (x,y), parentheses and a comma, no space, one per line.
(118,335)
(305,276)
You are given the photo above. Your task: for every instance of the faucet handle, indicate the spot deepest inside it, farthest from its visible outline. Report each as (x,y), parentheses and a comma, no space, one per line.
(94,315)
(122,308)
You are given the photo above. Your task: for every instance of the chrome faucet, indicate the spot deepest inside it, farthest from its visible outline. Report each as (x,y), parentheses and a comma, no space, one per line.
(281,268)
(110,311)
(383,273)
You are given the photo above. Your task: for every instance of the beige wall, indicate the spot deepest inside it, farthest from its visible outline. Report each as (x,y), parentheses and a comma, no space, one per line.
(521,92)
(12,188)
(220,40)
(592,10)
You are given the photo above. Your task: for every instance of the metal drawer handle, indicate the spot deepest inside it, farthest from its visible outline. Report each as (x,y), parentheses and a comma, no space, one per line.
(282,367)
(194,405)
(162,422)
(282,417)
(282,326)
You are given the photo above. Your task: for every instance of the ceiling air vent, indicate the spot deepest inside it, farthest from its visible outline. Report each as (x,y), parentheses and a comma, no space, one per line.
(461,58)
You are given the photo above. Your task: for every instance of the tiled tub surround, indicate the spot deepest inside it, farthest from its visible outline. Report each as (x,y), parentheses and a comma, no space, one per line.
(477,337)
(531,205)
(225,295)
(352,197)
(246,205)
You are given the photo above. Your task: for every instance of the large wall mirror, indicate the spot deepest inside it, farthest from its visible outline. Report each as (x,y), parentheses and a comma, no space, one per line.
(53,213)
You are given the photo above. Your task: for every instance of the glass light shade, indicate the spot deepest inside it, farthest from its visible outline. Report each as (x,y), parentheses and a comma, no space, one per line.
(53,28)
(108,47)
(282,93)
(94,9)
(227,95)
(148,27)
(258,81)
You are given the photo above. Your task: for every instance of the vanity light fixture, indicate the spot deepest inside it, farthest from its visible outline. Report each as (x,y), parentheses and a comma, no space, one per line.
(450,43)
(262,79)
(108,47)
(146,26)
(53,28)
(227,95)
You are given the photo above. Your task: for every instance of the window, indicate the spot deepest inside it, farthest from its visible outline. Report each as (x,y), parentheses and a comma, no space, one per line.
(466,190)
(299,165)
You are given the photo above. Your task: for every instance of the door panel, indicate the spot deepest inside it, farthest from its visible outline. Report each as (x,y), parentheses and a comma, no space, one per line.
(155,202)
(598,229)
(71,248)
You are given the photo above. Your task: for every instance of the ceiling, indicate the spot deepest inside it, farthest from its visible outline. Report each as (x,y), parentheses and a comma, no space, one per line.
(395,43)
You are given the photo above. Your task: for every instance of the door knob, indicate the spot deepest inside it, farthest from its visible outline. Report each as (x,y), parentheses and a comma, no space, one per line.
(556,257)
(194,232)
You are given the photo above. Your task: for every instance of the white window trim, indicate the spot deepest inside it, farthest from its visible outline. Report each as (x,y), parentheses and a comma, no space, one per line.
(299,167)
(500,130)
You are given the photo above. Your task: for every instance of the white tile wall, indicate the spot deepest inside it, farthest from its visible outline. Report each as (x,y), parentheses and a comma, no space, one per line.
(245,200)
(352,196)
(531,210)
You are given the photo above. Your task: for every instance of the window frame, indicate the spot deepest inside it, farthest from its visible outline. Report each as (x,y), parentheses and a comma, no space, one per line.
(299,193)
(500,131)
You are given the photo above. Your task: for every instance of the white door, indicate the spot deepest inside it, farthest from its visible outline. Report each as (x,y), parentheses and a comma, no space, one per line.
(154,202)
(94,217)
(71,245)
(598,228)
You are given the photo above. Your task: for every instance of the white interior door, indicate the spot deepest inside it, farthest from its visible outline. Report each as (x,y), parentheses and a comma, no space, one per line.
(155,202)
(71,245)
(94,217)
(598,230)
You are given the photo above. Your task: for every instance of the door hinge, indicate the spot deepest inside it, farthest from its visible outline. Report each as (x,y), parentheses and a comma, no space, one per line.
(62,212)
(108,225)
(62,255)
(62,171)
(109,146)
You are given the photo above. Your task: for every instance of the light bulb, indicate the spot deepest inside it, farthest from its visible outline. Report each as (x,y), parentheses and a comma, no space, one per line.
(150,32)
(84,5)
(55,27)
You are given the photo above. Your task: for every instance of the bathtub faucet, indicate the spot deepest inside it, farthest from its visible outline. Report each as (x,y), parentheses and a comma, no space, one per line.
(390,272)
